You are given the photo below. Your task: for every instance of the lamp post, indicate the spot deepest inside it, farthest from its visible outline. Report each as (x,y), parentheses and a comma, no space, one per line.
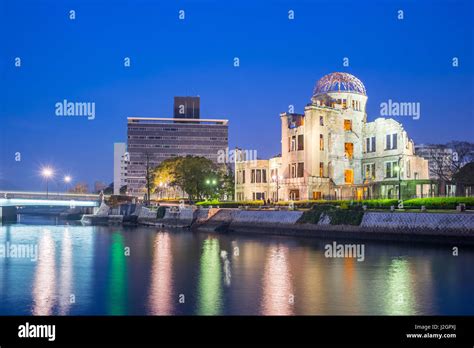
(47,173)
(67,180)
(211,182)
(276,179)
(398,169)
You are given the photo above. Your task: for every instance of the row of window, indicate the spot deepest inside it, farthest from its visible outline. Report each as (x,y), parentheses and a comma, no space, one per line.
(294,145)
(199,128)
(391,143)
(152,137)
(257,176)
(174,146)
(391,170)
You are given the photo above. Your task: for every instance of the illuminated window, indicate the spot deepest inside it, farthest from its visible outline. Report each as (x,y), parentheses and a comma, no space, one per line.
(321,169)
(321,142)
(347,125)
(349,150)
(369,171)
(391,169)
(316,195)
(349,176)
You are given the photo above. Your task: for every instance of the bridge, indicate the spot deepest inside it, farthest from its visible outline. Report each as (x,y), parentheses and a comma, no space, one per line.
(11,200)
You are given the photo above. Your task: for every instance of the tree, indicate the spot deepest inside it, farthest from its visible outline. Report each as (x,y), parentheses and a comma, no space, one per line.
(446,165)
(226,185)
(199,177)
(149,173)
(195,176)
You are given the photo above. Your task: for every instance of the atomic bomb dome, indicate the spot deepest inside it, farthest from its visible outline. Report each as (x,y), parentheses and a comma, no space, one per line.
(339,82)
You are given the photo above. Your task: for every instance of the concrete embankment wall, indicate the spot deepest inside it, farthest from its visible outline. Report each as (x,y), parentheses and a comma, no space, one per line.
(436,227)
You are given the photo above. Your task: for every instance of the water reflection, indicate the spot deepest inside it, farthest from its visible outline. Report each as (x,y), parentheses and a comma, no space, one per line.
(261,275)
(399,298)
(117,296)
(66,274)
(210,279)
(45,280)
(161,287)
(277,284)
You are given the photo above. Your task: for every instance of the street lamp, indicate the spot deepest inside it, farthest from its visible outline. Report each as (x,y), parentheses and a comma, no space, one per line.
(211,182)
(277,178)
(47,173)
(398,170)
(67,180)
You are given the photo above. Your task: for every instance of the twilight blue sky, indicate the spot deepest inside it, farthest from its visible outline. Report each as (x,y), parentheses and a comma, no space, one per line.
(281,60)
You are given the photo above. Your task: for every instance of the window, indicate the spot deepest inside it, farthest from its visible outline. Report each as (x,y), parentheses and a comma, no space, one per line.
(391,169)
(293,143)
(391,141)
(321,169)
(408,169)
(349,150)
(243,176)
(347,125)
(349,176)
(369,171)
(259,196)
(257,176)
(321,120)
(300,142)
(370,144)
(293,170)
(300,169)
(321,142)
(289,144)
(316,195)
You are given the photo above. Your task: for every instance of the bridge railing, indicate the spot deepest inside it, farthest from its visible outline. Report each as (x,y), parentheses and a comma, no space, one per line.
(50,195)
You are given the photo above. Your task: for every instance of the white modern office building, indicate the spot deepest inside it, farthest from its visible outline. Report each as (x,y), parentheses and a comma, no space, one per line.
(121,161)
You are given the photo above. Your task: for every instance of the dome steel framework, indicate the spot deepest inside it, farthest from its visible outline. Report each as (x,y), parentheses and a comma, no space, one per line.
(339,82)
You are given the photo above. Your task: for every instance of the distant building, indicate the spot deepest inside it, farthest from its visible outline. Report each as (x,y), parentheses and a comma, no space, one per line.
(437,156)
(331,151)
(153,140)
(186,107)
(121,161)
(445,160)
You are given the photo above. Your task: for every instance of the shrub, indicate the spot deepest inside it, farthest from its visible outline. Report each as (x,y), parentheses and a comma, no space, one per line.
(438,202)
(346,217)
(224,204)
(351,215)
(313,215)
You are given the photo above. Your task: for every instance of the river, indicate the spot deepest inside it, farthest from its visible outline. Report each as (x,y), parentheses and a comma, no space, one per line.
(116,270)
